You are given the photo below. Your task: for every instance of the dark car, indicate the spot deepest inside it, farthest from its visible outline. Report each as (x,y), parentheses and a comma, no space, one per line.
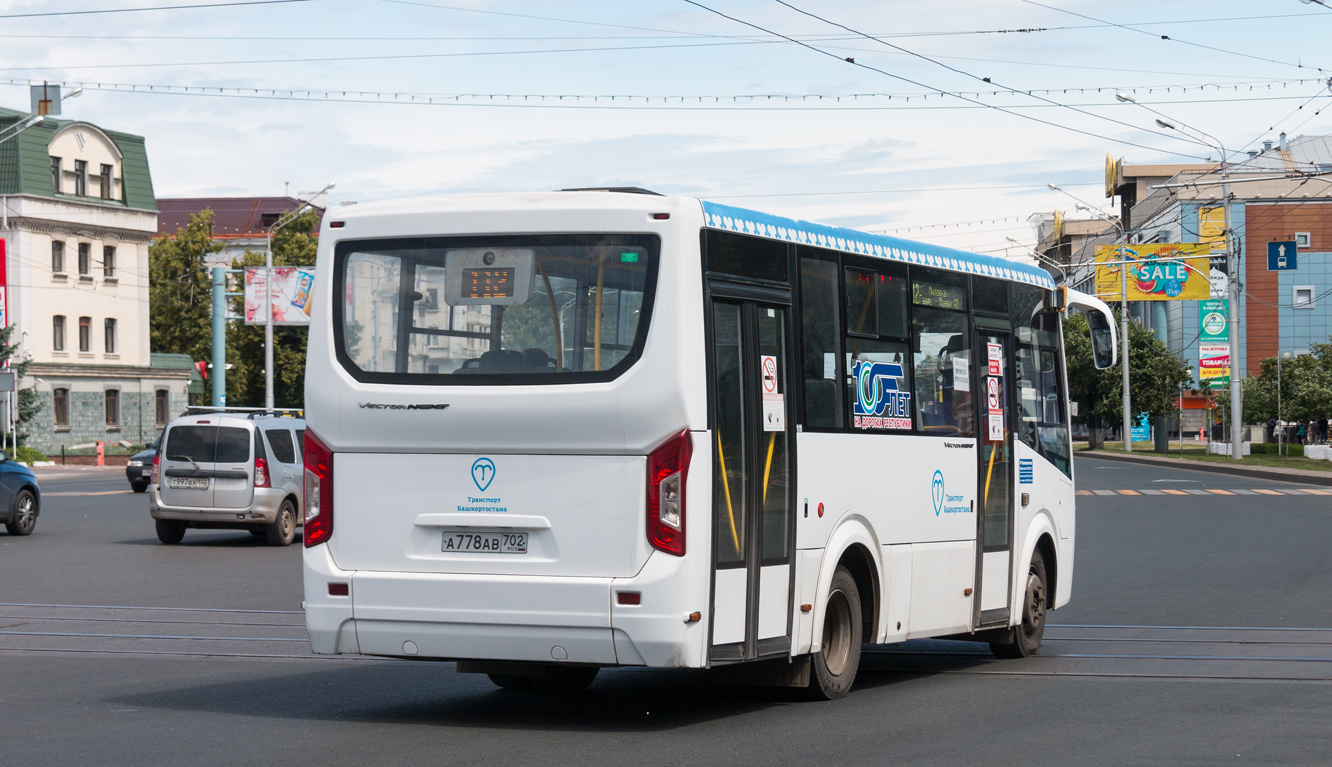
(140,467)
(20,498)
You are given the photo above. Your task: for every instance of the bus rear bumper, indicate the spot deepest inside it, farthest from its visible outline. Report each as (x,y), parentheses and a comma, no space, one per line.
(503,618)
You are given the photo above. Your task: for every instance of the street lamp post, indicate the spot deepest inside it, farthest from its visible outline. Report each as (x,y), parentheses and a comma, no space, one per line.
(1232,265)
(282,221)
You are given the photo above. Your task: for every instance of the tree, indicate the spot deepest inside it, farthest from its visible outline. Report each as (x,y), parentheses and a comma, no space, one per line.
(28,403)
(180,289)
(1306,387)
(1155,377)
(293,245)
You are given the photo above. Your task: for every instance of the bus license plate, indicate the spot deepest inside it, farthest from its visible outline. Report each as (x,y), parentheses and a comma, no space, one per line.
(187,483)
(484,542)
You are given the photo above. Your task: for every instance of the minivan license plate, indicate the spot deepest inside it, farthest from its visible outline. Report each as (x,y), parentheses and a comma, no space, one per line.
(188,483)
(484,542)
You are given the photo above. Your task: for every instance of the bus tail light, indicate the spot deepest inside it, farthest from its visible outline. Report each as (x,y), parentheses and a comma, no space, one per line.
(261,473)
(668,468)
(154,474)
(318,492)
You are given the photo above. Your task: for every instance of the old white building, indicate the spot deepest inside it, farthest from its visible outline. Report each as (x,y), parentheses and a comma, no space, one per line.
(78,215)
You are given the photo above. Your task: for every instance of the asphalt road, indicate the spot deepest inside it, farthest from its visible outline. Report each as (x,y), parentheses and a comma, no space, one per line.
(1200,633)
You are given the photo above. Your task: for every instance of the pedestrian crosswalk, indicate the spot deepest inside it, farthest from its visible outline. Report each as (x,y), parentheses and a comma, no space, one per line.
(1300,491)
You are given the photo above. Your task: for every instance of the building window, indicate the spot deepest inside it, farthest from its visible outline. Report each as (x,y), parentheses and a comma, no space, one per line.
(163,407)
(55,173)
(85,334)
(110,326)
(1304,297)
(57,256)
(112,407)
(266,220)
(108,261)
(61,407)
(81,178)
(1302,239)
(58,332)
(85,259)
(105,180)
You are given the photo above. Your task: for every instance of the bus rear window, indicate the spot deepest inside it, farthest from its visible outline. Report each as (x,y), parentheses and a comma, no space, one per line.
(512,309)
(208,444)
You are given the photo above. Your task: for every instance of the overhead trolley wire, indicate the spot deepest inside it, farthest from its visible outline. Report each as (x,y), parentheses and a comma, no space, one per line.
(1174,135)
(138,10)
(886,73)
(1130,28)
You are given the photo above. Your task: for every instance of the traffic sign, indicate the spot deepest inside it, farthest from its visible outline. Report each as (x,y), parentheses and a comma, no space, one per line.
(1281,256)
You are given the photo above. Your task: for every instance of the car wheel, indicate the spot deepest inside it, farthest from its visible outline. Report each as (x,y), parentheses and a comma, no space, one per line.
(139,487)
(170,531)
(283,529)
(1025,638)
(24,516)
(838,659)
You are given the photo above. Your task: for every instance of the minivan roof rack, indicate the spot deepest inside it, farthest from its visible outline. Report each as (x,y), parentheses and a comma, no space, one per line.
(617,189)
(252,412)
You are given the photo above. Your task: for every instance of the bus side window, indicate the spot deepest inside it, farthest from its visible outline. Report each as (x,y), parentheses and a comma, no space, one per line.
(942,372)
(819,343)
(1028,382)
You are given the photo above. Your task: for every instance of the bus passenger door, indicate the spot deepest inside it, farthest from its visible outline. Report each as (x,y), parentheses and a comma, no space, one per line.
(994,534)
(752,511)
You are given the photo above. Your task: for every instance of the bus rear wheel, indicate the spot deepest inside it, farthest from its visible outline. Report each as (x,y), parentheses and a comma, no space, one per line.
(1024,639)
(833,667)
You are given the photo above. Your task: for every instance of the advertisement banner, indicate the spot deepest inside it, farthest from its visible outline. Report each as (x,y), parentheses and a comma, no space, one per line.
(1213,326)
(290,295)
(1163,272)
(1214,365)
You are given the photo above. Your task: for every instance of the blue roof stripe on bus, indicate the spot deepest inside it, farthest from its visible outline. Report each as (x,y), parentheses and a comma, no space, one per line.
(731,219)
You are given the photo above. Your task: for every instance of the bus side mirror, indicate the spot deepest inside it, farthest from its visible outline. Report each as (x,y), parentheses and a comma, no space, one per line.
(1102,340)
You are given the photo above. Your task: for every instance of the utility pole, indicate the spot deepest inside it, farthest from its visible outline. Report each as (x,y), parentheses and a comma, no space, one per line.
(219,336)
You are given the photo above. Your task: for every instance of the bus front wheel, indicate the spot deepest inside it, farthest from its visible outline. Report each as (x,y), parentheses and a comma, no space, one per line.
(1025,638)
(834,666)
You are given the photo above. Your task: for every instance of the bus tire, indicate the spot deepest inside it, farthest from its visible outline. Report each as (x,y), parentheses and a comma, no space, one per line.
(283,530)
(833,667)
(520,682)
(170,531)
(1024,639)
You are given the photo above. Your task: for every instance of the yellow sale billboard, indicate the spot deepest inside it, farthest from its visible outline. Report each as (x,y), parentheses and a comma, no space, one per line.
(1160,272)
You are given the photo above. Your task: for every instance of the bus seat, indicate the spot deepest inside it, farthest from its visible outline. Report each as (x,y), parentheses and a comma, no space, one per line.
(502,361)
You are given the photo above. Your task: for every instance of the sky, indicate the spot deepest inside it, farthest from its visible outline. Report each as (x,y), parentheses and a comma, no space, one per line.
(936,121)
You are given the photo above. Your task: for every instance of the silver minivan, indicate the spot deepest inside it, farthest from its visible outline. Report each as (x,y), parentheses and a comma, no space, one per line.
(233,469)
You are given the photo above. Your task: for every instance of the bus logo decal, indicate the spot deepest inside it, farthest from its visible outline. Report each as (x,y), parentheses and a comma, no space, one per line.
(937,491)
(880,403)
(483,473)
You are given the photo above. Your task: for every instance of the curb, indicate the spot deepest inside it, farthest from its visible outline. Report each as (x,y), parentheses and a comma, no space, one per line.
(1256,472)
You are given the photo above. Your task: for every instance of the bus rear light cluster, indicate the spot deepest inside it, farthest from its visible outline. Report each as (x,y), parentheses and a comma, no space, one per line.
(668,468)
(318,491)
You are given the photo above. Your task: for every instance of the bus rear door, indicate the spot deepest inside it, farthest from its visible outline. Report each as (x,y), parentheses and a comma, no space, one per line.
(752,447)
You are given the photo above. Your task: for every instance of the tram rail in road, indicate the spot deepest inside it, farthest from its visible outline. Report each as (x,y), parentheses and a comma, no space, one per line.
(1275,654)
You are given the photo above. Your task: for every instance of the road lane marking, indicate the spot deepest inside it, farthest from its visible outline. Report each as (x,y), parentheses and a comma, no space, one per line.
(1265,491)
(1221,492)
(1129,492)
(1174,492)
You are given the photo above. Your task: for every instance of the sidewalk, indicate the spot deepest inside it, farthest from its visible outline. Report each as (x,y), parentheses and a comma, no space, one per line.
(1276,473)
(71,471)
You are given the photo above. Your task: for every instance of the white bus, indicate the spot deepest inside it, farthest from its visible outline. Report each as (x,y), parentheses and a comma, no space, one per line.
(553,432)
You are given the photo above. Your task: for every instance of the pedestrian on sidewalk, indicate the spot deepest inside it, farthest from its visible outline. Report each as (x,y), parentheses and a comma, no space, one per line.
(1322,430)
(1300,433)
